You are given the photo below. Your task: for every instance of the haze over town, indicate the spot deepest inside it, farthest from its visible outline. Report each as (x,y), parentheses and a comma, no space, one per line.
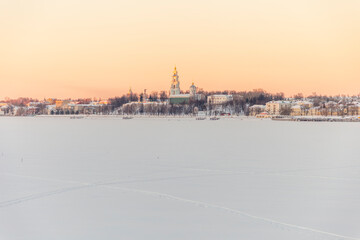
(81,49)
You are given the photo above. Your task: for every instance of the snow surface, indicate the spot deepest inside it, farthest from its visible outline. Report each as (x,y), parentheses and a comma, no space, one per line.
(109,178)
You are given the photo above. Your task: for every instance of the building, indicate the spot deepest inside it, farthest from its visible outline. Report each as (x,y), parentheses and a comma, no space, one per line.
(175,84)
(192,90)
(61,103)
(263,115)
(305,104)
(218,99)
(354,109)
(4,108)
(180,99)
(275,107)
(296,110)
(50,101)
(315,111)
(175,94)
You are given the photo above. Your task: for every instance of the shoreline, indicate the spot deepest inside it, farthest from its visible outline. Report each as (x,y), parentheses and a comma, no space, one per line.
(240,117)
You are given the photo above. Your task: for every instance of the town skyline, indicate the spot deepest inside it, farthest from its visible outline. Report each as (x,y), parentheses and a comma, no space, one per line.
(159,91)
(141,91)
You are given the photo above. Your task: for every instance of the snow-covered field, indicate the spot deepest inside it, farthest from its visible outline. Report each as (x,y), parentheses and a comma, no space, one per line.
(109,178)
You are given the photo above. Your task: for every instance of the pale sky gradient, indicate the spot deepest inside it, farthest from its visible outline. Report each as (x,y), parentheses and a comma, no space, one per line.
(99,48)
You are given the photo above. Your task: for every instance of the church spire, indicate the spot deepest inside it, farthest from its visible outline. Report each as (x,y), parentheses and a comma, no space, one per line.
(175,84)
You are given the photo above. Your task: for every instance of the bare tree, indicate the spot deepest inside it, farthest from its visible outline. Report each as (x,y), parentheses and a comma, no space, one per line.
(285,110)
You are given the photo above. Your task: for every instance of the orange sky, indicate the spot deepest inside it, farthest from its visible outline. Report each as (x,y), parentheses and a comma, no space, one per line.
(99,48)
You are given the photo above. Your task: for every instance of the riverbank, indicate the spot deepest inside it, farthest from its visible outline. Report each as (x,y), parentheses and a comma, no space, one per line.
(318,119)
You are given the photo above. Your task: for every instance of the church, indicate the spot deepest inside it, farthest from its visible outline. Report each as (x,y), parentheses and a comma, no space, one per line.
(175,94)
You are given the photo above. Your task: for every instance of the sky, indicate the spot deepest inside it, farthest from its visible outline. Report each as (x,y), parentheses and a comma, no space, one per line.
(101,48)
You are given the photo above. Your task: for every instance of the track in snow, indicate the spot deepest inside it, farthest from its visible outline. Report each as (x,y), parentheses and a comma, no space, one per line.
(164,196)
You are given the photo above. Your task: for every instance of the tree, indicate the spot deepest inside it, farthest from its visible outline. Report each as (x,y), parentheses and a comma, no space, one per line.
(154,96)
(299,96)
(285,110)
(163,96)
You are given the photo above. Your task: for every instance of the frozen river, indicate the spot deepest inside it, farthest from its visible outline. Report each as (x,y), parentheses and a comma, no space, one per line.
(109,178)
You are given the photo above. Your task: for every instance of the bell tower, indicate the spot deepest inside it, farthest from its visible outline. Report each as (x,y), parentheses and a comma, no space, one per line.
(192,90)
(175,84)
